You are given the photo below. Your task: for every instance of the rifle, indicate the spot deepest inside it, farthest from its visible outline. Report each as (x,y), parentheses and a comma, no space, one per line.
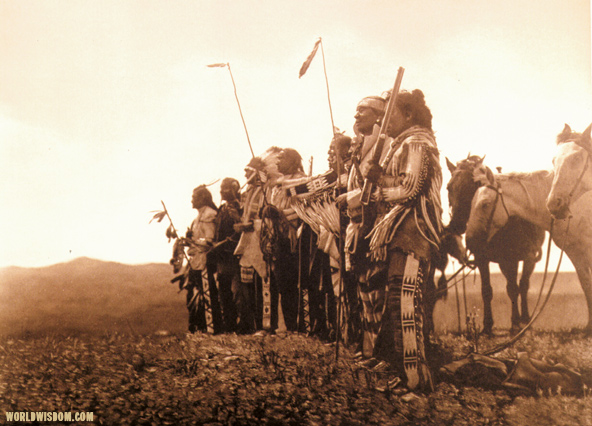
(369,185)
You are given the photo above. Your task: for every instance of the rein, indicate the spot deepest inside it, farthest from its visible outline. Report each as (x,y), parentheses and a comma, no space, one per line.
(460,269)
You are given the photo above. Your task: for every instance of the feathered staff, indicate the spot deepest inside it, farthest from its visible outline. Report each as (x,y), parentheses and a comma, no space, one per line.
(179,254)
(179,248)
(159,215)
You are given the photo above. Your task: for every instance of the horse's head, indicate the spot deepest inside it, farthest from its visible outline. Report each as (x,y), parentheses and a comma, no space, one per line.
(573,170)
(452,244)
(461,188)
(487,216)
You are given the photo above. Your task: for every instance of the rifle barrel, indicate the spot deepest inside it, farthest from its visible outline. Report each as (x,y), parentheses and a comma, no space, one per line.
(368,185)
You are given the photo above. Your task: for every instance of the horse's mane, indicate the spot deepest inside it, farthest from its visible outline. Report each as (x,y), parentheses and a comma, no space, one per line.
(475,163)
(469,163)
(518,176)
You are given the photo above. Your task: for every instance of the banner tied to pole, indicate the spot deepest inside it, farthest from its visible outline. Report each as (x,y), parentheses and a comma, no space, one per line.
(218,65)
(306,63)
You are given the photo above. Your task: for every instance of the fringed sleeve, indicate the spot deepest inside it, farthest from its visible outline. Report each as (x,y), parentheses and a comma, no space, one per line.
(412,178)
(415,194)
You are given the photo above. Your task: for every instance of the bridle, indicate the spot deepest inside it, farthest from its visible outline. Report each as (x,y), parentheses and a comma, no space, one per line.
(581,177)
(498,196)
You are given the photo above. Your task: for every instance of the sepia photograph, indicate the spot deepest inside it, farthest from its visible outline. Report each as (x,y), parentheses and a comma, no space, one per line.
(269,212)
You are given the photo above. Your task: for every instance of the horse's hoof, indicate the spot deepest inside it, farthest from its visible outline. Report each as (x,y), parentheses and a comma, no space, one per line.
(515,329)
(487,332)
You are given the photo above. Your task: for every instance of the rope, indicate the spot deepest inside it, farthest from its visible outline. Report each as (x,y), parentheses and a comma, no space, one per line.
(546,266)
(444,290)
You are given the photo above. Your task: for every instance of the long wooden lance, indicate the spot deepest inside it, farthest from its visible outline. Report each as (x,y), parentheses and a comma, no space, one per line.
(227,65)
(340,169)
(266,285)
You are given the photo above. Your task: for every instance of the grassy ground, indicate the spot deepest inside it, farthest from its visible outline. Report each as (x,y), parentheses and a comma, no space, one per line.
(284,379)
(81,337)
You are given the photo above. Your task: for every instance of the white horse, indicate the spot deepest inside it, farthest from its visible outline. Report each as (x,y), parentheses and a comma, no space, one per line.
(525,195)
(573,171)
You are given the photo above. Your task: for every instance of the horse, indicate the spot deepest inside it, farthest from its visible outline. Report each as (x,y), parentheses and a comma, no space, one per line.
(573,172)
(517,241)
(525,195)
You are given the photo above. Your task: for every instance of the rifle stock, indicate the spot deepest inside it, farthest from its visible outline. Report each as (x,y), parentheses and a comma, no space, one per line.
(368,187)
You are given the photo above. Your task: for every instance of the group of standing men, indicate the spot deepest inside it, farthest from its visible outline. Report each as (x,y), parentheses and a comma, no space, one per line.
(262,247)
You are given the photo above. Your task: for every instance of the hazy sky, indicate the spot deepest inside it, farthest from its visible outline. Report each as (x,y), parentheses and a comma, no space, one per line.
(107,107)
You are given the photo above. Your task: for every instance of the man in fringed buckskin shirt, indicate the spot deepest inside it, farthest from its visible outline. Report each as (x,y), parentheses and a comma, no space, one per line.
(262,174)
(406,228)
(202,295)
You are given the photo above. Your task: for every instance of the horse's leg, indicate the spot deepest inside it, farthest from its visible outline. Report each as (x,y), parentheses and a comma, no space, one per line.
(578,247)
(510,271)
(486,294)
(527,269)
(582,266)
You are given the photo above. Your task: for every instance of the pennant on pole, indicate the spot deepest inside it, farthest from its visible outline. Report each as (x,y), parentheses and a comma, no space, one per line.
(306,63)
(218,65)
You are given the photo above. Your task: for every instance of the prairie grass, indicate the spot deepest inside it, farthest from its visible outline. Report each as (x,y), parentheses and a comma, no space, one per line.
(283,379)
(81,337)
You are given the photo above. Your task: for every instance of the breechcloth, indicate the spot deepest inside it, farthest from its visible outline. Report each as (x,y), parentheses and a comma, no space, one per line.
(245,301)
(263,299)
(393,318)
(202,303)
(227,287)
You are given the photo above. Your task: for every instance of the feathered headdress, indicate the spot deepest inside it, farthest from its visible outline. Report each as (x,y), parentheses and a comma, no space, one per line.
(265,165)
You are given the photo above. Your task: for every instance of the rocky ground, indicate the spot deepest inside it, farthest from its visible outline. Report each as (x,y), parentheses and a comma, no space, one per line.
(283,379)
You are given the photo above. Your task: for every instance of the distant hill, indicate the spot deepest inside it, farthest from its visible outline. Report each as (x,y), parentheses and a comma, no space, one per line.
(90,296)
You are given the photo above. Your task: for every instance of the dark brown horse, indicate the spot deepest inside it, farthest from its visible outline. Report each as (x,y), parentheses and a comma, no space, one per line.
(518,241)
